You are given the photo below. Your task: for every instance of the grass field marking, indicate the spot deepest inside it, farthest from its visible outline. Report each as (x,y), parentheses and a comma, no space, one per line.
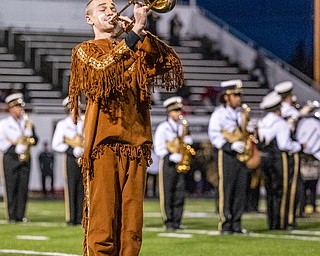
(36,253)
(175,235)
(305,232)
(35,224)
(288,237)
(251,234)
(193,231)
(43,238)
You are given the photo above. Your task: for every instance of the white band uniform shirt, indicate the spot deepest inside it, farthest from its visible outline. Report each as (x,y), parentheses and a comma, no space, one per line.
(166,131)
(273,126)
(10,132)
(223,117)
(65,128)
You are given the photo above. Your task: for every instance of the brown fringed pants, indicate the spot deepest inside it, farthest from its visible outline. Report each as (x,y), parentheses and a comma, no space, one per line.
(115,206)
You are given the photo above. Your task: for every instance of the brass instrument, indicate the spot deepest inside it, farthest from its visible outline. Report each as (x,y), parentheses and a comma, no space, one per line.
(25,140)
(306,109)
(76,141)
(179,146)
(160,6)
(251,155)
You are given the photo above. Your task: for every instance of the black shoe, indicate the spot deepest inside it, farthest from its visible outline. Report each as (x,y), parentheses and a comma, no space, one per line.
(170,227)
(291,227)
(180,227)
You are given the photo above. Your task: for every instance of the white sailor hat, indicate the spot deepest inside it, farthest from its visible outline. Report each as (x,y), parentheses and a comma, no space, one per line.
(65,102)
(284,88)
(15,99)
(173,103)
(271,101)
(232,86)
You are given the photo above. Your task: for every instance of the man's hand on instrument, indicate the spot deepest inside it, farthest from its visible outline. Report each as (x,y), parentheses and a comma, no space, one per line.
(175,157)
(140,15)
(238,146)
(77,152)
(20,149)
(188,140)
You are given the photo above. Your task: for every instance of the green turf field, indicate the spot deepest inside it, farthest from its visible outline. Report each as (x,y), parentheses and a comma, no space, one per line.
(46,234)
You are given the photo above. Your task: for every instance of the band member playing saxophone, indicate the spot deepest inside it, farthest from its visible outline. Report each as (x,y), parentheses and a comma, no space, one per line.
(68,139)
(167,145)
(17,135)
(233,173)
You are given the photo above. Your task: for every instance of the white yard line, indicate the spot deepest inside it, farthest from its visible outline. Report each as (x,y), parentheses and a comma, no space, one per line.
(25,252)
(37,238)
(294,235)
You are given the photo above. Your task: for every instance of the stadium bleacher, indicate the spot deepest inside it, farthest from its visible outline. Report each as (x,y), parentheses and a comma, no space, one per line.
(39,62)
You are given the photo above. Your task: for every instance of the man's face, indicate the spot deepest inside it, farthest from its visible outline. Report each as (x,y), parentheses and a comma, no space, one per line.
(16,111)
(233,100)
(175,115)
(100,14)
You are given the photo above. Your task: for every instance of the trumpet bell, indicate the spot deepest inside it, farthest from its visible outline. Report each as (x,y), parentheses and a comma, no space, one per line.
(161,6)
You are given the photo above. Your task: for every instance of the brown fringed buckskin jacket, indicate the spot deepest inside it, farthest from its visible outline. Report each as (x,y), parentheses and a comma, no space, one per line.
(117,82)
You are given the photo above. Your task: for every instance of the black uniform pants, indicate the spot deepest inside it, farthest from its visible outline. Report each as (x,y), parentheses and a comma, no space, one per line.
(172,193)
(281,181)
(74,191)
(233,176)
(16,176)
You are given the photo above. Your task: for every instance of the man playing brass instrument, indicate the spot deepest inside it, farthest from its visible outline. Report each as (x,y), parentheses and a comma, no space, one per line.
(232,173)
(68,139)
(171,182)
(117,77)
(17,135)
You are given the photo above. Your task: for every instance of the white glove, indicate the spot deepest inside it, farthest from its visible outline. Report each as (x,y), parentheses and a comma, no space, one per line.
(188,140)
(238,146)
(28,132)
(20,149)
(175,157)
(77,152)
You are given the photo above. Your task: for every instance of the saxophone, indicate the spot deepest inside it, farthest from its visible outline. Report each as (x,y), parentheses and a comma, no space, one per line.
(179,146)
(251,155)
(25,140)
(76,141)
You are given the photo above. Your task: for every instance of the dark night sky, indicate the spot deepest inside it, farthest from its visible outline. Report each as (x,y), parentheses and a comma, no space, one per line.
(277,25)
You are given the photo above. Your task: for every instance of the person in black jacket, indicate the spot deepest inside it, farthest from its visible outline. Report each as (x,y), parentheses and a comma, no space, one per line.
(46,162)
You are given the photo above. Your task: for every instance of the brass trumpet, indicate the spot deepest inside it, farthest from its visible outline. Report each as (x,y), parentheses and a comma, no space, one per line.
(160,6)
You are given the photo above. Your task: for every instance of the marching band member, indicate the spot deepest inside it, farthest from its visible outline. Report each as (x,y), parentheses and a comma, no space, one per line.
(16,136)
(232,173)
(292,115)
(278,163)
(305,129)
(68,139)
(172,186)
